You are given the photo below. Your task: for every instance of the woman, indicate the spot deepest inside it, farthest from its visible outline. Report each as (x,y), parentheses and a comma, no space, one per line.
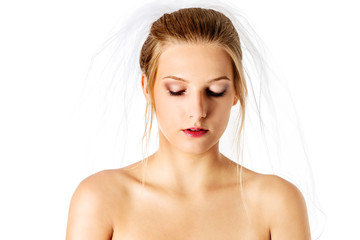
(192,77)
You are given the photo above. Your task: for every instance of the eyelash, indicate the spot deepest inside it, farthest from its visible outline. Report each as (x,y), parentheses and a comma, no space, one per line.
(208,92)
(179,93)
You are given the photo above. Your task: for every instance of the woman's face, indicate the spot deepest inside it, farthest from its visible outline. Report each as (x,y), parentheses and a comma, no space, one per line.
(193,95)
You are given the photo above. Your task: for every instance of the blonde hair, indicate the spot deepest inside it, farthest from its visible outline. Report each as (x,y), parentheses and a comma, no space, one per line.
(192,25)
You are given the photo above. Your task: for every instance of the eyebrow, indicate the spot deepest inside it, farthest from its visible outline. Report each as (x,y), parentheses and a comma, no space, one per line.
(211,80)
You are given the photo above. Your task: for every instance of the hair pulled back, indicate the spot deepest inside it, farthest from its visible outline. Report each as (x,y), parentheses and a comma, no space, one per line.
(192,26)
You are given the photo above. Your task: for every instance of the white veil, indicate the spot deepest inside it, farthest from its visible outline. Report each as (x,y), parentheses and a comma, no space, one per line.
(112,109)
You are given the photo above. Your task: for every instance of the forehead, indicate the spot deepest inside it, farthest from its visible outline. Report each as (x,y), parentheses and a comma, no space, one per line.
(194,61)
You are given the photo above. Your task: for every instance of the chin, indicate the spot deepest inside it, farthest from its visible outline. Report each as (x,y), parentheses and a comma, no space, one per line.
(186,145)
(196,149)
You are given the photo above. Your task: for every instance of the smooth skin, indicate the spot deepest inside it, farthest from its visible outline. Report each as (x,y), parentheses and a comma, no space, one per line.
(191,191)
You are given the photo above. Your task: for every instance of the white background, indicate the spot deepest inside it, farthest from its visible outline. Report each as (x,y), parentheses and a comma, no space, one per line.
(45,50)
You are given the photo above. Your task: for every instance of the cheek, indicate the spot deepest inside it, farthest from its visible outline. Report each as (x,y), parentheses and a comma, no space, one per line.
(222,112)
(167,111)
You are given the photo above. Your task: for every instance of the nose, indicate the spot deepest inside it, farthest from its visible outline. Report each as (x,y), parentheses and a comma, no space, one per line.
(197,106)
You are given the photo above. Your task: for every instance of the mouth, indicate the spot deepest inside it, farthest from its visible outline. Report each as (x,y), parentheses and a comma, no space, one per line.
(195,132)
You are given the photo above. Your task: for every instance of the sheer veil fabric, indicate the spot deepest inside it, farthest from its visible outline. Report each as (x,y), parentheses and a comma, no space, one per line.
(111,111)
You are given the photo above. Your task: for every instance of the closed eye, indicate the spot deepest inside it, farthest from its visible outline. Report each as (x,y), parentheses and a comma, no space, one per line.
(179,93)
(208,92)
(215,94)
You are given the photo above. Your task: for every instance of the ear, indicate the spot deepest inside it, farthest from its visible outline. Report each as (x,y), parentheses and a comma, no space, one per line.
(144,85)
(236,99)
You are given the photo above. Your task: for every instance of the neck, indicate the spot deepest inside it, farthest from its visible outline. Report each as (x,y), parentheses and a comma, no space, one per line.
(186,173)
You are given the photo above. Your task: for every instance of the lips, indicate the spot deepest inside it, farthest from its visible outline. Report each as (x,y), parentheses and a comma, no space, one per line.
(195,132)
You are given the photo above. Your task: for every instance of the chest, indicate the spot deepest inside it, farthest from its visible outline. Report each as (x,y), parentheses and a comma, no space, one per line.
(221,217)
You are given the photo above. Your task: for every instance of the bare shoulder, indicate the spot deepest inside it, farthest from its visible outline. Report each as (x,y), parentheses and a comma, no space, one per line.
(283,206)
(274,189)
(278,189)
(100,186)
(107,181)
(94,202)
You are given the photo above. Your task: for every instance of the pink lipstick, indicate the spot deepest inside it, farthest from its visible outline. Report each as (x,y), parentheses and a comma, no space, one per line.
(195,132)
